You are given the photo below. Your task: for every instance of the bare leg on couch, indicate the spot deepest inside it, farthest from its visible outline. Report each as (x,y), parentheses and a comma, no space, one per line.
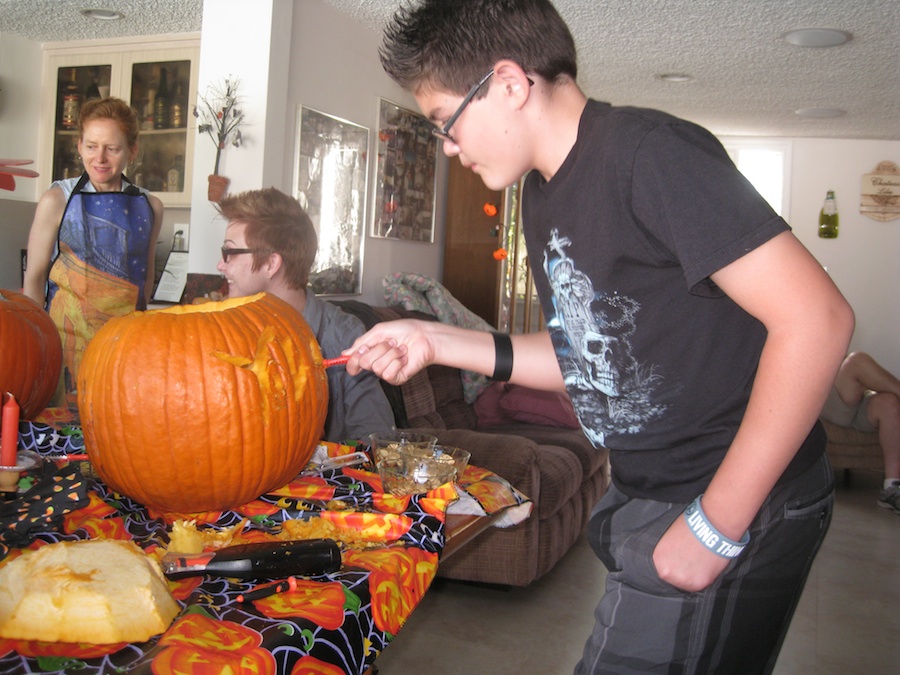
(874,392)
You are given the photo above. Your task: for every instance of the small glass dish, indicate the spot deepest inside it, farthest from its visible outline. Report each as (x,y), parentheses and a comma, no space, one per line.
(443,453)
(387,444)
(406,475)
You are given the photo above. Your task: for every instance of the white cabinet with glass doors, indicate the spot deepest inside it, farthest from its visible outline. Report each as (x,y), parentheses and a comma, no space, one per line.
(156,76)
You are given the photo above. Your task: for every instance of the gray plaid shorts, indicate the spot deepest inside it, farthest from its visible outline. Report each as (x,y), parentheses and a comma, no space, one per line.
(737,625)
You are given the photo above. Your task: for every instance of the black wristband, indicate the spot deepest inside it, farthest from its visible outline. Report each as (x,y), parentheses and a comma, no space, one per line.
(503,357)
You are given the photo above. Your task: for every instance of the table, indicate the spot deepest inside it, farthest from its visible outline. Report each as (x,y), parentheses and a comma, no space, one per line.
(331,624)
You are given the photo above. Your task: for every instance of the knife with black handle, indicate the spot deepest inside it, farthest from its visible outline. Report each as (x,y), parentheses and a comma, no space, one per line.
(307,557)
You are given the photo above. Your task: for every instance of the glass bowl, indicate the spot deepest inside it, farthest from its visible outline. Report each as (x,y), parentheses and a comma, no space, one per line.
(442,453)
(407,475)
(387,444)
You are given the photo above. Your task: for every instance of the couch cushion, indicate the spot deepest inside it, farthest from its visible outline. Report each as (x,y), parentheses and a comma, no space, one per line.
(558,533)
(550,408)
(504,403)
(561,478)
(850,448)
(592,459)
(592,489)
(550,475)
(449,398)
(418,397)
(499,555)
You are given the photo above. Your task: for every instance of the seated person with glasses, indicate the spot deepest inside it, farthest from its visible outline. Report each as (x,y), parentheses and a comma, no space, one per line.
(270,245)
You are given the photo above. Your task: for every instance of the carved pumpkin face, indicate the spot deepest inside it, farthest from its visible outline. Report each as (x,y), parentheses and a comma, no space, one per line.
(202,407)
(30,353)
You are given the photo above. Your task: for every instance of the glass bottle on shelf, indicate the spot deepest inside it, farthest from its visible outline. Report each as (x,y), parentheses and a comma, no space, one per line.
(135,171)
(149,105)
(176,111)
(71,102)
(828,217)
(155,89)
(93,89)
(161,103)
(175,175)
(72,163)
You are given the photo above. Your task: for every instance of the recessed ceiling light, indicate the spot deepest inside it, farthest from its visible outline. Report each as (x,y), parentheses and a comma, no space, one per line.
(820,113)
(817,37)
(675,77)
(102,14)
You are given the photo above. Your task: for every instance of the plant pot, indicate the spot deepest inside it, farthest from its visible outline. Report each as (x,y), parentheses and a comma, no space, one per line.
(218,186)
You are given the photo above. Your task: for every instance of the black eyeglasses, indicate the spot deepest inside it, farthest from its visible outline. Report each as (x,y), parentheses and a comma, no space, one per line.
(234,251)
(443,133)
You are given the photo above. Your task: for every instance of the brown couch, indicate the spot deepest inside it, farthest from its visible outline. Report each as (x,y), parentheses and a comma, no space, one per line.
(849,449)
(556,467)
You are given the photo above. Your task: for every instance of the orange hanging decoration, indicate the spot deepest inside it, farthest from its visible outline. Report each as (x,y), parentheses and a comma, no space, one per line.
(490,209)
(500,254)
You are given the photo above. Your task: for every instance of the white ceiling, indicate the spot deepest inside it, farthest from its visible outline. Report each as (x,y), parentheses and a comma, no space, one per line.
(748,81)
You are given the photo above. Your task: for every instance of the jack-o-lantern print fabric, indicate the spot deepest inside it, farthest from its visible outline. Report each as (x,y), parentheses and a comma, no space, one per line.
(332,623)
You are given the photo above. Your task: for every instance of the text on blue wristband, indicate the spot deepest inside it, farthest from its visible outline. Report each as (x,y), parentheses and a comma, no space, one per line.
(709,538)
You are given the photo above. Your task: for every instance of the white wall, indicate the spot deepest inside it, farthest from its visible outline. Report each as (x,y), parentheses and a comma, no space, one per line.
(248,46)
(864,260)
(319,58)
(20,105)
(335,70)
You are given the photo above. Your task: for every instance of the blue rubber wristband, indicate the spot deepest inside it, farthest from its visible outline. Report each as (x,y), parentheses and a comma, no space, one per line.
(709,536)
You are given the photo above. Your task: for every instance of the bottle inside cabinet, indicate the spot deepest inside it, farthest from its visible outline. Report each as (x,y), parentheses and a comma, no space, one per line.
(161,102)
(157,94)
(175,175)
(71,101)
(75,85)
(93,89)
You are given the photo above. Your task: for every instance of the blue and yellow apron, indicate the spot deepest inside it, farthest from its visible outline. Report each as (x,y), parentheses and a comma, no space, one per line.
(99,270)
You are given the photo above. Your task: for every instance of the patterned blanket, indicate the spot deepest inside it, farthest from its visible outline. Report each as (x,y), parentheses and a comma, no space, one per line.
(420,293)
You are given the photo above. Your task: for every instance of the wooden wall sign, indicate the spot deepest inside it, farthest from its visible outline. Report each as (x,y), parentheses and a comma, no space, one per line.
(880,194)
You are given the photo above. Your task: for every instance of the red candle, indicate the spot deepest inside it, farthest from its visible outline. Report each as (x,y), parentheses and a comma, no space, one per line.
(9,438)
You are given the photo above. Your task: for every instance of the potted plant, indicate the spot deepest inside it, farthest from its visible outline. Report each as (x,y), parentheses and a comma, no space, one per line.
(221,117)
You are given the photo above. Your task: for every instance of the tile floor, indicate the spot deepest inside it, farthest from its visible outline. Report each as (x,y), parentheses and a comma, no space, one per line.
(848,620)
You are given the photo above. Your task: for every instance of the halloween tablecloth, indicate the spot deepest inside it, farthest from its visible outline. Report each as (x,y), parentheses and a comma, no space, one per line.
(334,623)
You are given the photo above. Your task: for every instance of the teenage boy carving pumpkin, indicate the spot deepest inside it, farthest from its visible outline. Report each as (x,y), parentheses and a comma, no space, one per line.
(695,335)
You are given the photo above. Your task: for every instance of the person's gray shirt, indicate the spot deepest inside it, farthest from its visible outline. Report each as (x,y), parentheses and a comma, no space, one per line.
(357,405)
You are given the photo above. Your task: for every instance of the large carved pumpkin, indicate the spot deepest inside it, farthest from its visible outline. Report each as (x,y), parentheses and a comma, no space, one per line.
(202,407)
(30,353)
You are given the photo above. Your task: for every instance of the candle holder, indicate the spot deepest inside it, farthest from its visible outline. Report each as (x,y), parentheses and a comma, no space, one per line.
(9,475)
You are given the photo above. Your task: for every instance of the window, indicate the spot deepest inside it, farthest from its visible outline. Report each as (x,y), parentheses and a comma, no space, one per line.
(767,165)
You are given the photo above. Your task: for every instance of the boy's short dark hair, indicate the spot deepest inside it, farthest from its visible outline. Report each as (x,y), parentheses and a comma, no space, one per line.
(275,223)
(451,44)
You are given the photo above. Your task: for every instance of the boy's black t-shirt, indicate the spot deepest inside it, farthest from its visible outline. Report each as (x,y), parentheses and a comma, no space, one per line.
(658,362)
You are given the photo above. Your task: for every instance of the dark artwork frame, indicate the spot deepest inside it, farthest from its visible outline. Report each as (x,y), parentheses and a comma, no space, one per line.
(405,188)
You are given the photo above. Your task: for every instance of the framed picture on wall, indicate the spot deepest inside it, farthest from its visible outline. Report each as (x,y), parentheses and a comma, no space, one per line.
(405,175)
(330,181)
